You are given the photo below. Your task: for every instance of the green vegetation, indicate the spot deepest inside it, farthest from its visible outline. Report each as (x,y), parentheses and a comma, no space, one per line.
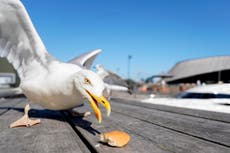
(6,67)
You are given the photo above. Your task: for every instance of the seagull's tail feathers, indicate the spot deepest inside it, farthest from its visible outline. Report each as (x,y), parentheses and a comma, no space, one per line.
(19,41)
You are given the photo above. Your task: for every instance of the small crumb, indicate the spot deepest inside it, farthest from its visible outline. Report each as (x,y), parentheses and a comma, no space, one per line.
(86,114)
(97,145)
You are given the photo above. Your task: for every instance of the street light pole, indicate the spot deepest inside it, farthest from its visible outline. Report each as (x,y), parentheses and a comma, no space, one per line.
(129,59)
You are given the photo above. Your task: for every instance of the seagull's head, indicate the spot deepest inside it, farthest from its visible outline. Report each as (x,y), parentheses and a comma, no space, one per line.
(91,86)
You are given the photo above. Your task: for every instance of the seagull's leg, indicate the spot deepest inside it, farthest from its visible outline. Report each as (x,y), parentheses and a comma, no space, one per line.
(74,113)
(25,120)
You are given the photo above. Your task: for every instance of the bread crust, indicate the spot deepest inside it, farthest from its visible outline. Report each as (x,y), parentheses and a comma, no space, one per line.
(115,138)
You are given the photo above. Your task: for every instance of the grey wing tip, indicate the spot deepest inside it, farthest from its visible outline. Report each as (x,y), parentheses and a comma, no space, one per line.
(98,50)
(14,3)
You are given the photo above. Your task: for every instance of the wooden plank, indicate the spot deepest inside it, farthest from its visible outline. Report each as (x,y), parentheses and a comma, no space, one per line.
(167,139)
(145,137)
(217,132)
(90,130)
(9,103)
(52,135)
(223,117)
(10,92)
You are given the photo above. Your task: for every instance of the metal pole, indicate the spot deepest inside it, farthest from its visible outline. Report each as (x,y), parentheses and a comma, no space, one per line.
(129,59)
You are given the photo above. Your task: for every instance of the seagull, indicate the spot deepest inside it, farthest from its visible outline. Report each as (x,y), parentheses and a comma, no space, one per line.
(45,80)
(112,81)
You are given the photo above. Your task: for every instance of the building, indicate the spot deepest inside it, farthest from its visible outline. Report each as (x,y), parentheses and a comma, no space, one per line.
(8,75)
(207,70)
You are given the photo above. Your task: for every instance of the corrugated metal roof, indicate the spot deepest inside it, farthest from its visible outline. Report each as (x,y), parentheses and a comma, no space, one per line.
(114,79)
(189,68)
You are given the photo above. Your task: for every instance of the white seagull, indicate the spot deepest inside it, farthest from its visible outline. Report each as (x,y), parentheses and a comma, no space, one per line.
(44,80)
(112,81)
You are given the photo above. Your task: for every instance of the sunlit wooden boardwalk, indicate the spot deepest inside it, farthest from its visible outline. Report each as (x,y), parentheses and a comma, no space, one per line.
(153,129)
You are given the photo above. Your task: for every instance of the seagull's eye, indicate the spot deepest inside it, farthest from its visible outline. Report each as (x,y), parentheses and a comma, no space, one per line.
(87,81)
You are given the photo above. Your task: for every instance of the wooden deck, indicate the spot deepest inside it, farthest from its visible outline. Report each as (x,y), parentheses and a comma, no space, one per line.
(153,129)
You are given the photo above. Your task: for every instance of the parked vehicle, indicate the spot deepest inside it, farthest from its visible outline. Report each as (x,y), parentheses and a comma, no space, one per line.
(7,79)
(208,97)
(207,92)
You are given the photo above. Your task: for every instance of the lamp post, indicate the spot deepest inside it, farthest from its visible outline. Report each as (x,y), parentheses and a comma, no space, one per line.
(129,59)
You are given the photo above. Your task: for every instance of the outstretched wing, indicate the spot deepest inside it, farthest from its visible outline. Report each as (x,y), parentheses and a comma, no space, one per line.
(86,59)
(19,41)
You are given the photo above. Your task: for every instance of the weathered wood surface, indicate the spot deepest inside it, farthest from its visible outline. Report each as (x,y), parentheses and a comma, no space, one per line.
(210,130)
(52,135)
(6,104)
(147,137)
(153,129)
(223,117)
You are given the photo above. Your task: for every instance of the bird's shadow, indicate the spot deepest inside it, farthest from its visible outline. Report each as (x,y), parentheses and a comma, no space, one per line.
(63,116)
(81,123)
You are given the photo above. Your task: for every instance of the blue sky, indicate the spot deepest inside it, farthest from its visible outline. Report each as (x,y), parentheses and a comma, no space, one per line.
(157,33)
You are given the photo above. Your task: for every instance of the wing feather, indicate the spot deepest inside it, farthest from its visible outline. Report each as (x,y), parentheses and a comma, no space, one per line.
(86,59)
(19,41)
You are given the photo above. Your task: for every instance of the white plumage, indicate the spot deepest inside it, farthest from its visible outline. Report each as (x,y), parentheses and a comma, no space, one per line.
(113,82)
(44,80)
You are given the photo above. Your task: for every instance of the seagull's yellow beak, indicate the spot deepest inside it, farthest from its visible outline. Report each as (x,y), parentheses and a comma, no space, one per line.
(94,100)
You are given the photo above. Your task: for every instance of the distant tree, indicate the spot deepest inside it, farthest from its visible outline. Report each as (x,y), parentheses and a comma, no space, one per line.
(132,84)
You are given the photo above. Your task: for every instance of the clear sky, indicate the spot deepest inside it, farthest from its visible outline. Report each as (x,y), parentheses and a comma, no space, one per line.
(157,33)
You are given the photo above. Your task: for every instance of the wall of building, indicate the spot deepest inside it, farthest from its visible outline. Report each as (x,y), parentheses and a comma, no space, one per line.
(208,70)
